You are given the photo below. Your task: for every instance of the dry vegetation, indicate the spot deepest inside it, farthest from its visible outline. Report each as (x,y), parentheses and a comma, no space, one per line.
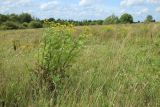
(119,66)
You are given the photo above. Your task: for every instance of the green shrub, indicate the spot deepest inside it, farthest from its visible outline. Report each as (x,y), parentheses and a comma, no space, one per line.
(58,49)
(25,25)
(111,20)
(3,27)
(126,18)
(25,17)
(3,18)
(10,25)
(35,24)
(149,19)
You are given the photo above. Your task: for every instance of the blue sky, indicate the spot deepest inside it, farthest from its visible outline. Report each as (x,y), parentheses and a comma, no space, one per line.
(82,9)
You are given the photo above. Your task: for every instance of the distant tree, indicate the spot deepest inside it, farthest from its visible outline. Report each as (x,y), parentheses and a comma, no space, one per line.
(51,19)
(25,20)
(35,24)
(149,18)
(126,18)
(99,22)
(25,25)
(25,17)
(3,18)
(13,17)
(111,20)
(59,21)
(92,23)
(85,22)
(10,25)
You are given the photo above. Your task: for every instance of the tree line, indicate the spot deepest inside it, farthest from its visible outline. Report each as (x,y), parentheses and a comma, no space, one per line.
(26,20)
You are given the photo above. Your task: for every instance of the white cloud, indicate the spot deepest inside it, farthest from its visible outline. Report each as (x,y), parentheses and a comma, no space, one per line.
(131,2)
(138,2)
(153,1)
(19,2)
(48,5)
(143,11)
(158,9)
(122,11)
(90,2)
(85,2)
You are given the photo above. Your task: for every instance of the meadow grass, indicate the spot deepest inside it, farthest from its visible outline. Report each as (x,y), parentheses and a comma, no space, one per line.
(119,66)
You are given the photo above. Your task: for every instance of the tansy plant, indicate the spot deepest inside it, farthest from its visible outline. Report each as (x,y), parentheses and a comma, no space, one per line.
(58,49)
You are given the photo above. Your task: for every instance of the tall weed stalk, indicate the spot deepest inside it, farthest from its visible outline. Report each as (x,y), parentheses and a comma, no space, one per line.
(58,49)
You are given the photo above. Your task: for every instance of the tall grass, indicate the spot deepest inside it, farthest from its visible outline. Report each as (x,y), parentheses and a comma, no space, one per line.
(118,67)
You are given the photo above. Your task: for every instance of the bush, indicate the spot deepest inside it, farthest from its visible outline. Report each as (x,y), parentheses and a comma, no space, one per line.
(3,18)
(35,24)
(58,49)
(149,19)
(10,25)
(25,25)
(111,20)
(13,17)
(126,18)
(25,17)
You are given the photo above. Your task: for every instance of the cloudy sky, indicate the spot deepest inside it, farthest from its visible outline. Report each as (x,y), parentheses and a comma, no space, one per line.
(82,9)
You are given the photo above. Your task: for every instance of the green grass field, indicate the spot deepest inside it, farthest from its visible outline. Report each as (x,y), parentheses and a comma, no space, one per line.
(119,66)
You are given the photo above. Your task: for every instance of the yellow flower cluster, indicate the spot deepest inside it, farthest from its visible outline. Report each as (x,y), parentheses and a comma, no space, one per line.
(53,24)
(60,27)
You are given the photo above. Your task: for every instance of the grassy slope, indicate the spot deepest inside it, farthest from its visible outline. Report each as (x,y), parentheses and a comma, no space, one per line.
(119,66)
